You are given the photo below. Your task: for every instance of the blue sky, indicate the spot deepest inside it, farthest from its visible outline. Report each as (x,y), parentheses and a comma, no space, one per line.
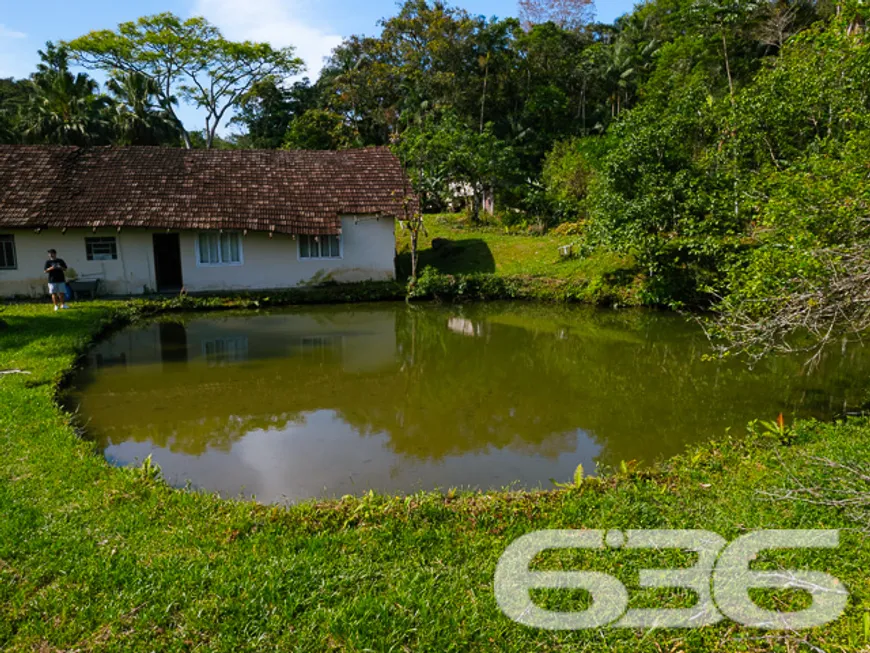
(314,27)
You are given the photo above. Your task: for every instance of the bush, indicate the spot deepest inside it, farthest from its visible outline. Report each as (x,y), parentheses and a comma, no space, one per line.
(568,229)
(431,284)
(568,172)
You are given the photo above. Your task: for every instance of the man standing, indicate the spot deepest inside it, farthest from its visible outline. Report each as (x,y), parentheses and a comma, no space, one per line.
(55,267)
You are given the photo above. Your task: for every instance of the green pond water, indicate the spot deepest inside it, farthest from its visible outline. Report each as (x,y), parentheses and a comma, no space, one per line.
(327,401)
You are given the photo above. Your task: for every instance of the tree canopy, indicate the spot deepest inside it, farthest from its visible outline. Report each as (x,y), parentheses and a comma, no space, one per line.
(189,59)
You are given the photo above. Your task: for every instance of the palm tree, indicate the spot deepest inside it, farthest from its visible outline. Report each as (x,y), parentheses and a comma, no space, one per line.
(618,65)
(621,63)
(137,118)
(13,96)
(64,109)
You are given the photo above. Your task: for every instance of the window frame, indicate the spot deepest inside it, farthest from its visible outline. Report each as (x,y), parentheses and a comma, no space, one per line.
(299,256)
(104,239)
(9,238)
(319,347)
(220,264)
(227,355)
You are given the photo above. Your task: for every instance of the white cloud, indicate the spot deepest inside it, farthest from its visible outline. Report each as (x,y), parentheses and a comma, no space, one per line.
(15,60)
(278,22)
(6,33)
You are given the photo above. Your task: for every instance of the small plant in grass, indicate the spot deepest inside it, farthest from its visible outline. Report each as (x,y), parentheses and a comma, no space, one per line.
(149,471)
(575,483)
(775,428)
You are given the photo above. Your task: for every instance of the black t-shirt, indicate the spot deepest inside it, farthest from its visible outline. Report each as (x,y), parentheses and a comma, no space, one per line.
(55,275)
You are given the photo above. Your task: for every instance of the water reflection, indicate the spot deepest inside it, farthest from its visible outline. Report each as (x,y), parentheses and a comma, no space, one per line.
(334,400)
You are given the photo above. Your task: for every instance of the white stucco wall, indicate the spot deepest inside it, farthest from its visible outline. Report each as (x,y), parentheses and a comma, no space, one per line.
(368,246)
(129,274)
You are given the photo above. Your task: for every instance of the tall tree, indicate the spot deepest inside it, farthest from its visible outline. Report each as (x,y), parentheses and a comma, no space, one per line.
(64,108)
(567,14)
(138,119)
(268,109)
(551,93)
(189,59)
(725,20)
(319,129)
(13,97)
(445,156)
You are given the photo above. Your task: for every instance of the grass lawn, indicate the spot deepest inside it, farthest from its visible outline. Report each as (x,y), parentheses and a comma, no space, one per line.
(533,261)
(94,558)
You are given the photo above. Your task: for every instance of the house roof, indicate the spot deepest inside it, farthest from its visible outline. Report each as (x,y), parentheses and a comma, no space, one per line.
(285,191)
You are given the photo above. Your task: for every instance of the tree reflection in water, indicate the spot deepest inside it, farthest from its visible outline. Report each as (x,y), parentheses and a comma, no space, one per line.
(452,393)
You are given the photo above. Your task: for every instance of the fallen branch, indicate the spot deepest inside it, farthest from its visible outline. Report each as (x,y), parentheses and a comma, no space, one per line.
(847,488)
(814,315)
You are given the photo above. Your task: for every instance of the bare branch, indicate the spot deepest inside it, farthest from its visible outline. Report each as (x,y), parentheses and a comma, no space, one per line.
(812,316)
(779,25)
(846,488)
(568,14)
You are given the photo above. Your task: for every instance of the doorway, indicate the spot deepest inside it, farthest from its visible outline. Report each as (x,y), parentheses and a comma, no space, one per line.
(173,342)
(167,262)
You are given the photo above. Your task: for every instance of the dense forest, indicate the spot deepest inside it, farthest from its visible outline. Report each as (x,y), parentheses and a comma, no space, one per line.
(721,144)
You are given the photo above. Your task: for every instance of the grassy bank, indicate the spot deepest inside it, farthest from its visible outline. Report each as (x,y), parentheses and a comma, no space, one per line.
(97,558)
(499,265)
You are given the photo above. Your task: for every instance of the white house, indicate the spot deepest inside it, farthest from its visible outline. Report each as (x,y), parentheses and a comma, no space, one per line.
(144,219)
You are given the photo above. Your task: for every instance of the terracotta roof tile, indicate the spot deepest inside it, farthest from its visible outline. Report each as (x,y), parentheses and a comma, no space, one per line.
(287,191)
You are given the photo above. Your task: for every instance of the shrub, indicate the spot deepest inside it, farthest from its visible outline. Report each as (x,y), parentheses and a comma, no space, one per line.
(568,229)
(431,284)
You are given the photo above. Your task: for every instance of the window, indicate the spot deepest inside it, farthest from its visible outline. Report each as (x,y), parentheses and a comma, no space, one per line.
(219,249)
(221,351)
(319,342)
(101,249)
(320,247)
(319,348)
(7,253)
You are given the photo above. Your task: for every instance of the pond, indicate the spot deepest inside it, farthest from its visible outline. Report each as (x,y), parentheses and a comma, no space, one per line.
(333,400)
